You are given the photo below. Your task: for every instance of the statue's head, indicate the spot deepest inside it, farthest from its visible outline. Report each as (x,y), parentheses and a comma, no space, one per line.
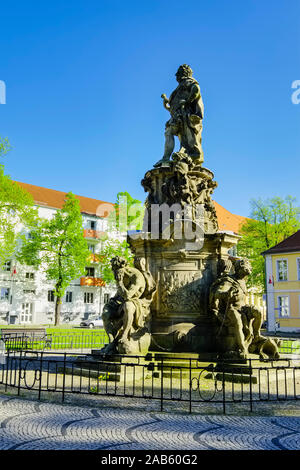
(224,266)
(242,267)
(117,263)
(184,71)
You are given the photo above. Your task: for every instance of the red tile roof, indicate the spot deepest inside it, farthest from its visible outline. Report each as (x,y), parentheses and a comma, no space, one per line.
(227,220)
(55,199)
(290,244)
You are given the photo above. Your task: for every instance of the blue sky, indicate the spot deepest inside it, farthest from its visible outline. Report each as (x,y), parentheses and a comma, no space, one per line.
(83,80)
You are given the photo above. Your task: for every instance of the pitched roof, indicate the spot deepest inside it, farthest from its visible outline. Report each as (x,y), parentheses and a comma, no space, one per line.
(290,244)
(227,220)
(55,199)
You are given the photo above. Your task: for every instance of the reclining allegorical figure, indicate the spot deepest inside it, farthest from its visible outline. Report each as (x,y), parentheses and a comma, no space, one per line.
(228,303)
(126,314)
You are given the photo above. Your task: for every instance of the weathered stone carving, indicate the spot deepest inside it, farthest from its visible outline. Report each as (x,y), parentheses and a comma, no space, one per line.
(183,185)
(228,303)
(189,304)
(126,315)
(181,292)
(186,108)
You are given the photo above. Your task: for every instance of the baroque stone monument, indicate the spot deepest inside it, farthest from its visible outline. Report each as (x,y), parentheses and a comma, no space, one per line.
(185,292)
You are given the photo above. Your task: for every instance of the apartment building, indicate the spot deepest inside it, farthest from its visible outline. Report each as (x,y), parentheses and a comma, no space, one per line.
(26,296)
(282,264)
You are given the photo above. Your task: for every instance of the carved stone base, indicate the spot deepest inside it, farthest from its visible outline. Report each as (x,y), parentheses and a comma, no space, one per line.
(137,345)
(180,320)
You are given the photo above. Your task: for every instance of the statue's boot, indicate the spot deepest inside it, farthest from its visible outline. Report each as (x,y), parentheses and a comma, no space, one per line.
(161,162)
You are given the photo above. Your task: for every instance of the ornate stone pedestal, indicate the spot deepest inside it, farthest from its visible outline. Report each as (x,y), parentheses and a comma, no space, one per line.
(184,292)
(180,317)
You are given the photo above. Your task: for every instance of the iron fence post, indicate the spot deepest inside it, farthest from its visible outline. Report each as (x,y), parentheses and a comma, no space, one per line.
(40,378)
(64,378)
(190,391)
(8,358)
(162,384)
(251,407)
(20,368)
(223,389)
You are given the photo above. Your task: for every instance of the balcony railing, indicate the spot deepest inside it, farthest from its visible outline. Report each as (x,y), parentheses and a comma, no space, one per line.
(89,233)
(92,281)
(94,258)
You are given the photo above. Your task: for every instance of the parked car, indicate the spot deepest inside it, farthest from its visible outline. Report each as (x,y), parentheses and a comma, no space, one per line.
(92,323)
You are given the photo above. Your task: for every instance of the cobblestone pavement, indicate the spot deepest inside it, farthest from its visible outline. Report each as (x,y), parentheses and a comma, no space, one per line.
(32,425)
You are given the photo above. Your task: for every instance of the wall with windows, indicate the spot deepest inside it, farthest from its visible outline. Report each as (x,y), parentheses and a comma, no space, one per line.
(283,291)
(26,297)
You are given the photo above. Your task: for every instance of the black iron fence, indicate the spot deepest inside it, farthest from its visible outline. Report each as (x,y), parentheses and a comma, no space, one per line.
(187,380)
(55,341)
(94,339)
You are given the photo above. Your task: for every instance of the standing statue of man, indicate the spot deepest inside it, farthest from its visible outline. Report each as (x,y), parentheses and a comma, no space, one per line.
(186,108)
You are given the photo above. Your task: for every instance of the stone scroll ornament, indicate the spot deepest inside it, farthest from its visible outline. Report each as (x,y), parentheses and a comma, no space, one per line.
(126,316)
(228,296)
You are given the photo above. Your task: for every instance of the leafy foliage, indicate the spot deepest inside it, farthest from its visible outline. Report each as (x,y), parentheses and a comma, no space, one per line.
(271,222)
(16,209)
(58,247)
(128,215)
(4,146)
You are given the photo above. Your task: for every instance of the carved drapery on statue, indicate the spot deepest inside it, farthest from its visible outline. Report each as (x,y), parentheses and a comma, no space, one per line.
(187,110)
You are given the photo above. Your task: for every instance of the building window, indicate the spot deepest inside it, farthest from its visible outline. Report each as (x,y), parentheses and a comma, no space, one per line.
(106,298)
(92,224)
(88,298)
(29,276)
(90,271)
(4,293)
(283,305)
(50,295)
(26,314)
(298,268)
(282,270)
(91,248)
(7,266)
(69,296)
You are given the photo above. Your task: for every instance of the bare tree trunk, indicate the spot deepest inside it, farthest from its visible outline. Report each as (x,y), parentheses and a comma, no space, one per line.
(57,311)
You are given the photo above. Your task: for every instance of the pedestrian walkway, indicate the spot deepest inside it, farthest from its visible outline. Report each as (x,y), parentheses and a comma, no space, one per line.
(33,425)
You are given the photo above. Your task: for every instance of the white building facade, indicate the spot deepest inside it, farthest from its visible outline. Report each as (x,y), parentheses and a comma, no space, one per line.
(27,297)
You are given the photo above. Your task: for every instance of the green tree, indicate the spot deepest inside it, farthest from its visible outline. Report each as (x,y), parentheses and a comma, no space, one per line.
(128,215)
(4,146)
(17,210)
(58,247)
(271,222)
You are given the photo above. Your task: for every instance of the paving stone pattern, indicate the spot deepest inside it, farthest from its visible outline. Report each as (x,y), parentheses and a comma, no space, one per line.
(32,425)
